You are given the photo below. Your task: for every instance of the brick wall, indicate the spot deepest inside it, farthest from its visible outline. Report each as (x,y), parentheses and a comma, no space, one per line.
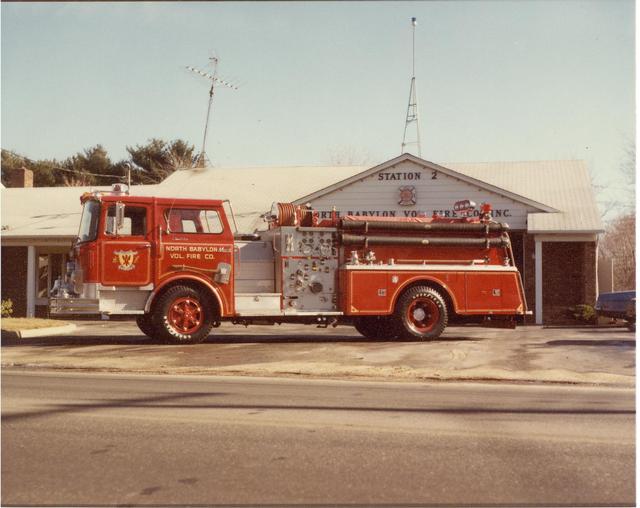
(14,278)
(590,273)
(569,278)
(21,177)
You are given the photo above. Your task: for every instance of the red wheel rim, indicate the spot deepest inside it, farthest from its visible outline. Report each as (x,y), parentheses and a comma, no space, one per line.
(422,315)
(185,315)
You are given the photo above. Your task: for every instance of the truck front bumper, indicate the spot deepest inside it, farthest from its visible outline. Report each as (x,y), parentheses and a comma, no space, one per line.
(74,306)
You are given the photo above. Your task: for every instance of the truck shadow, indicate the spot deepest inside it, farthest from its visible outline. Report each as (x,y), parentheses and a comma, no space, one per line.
(630,343)
(266,339)
(141,340)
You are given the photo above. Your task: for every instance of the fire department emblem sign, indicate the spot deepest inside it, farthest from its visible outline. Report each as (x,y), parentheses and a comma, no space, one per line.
(407,196)
(126,259)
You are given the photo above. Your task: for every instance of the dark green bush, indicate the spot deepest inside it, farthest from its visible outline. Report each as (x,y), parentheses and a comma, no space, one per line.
(583,313)
(7,307)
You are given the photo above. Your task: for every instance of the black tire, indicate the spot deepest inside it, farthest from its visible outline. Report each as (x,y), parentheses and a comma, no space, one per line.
(422,313)
(183,315)
(145,323)
(377,327)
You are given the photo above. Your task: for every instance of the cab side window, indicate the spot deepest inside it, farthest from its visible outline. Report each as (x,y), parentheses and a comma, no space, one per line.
(197,221)
(135,221)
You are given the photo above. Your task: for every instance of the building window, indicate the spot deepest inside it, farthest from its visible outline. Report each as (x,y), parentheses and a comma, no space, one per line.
(50,267)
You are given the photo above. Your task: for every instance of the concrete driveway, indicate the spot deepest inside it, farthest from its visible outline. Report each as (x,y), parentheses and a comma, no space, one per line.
(604,356)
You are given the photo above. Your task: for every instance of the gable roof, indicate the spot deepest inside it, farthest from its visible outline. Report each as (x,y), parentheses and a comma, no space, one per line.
(562,184)
(561,190)
(431,166)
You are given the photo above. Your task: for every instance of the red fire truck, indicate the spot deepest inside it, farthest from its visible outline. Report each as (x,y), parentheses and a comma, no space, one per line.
(180,268)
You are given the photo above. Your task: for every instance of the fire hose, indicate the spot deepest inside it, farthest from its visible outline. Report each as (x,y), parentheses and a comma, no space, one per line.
(368,240)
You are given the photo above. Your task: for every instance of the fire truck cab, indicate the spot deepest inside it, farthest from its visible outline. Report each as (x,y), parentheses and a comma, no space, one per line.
(180,268)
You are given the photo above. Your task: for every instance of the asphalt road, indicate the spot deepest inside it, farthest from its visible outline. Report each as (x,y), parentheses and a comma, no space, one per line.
(78,439)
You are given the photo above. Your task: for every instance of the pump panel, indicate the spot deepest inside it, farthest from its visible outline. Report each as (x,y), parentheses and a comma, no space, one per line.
(308,269)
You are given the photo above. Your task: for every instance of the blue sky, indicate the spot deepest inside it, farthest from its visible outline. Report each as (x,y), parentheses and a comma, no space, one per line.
(497,80)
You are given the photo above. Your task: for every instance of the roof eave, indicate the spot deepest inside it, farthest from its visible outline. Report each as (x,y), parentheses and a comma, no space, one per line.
(565,231)
(24,240)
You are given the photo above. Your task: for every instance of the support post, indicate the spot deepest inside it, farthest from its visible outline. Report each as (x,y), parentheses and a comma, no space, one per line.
(597,268)
(538,255)
(31,281)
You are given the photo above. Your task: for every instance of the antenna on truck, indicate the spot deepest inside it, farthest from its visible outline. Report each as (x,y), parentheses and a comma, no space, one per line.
(202,159)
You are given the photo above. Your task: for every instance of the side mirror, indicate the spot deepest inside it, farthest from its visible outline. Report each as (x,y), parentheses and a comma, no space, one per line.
(119,215)
(110,226)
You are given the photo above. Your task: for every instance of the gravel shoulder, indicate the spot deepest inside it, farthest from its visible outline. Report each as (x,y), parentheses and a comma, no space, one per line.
(596,356)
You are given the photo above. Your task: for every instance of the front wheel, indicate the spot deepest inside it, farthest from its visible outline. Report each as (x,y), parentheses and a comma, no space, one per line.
(183,315)
(422,313)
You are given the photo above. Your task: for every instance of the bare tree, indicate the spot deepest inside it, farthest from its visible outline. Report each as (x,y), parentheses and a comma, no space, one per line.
(628,168)
(621,198)
(619,244)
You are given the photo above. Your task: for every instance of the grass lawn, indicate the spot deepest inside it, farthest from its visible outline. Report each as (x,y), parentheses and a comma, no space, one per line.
(15,324)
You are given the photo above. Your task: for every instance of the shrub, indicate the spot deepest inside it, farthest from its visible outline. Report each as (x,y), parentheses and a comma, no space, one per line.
(7,307)
(584,313)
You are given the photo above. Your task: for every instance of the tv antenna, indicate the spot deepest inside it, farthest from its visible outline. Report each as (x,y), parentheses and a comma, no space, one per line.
(412,108)
(202,159)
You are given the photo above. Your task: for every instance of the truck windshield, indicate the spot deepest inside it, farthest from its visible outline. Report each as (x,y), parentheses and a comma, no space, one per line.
(89,222)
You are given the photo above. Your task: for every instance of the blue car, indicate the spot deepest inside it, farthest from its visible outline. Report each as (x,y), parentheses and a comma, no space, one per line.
(618,305)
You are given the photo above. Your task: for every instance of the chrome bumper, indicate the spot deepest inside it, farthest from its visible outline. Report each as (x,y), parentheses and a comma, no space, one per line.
(77,306)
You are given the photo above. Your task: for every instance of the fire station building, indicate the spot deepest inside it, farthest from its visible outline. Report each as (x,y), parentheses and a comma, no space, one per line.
(549,205)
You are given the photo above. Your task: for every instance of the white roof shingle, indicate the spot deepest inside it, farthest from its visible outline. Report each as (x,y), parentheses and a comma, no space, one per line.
(47,212)
(561,184)
(54,212)
(252,190)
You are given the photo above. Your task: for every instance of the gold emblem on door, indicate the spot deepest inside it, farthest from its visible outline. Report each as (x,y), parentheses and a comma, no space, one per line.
(126,259)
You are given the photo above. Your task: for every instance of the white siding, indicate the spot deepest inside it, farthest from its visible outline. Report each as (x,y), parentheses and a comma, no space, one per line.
(379,194)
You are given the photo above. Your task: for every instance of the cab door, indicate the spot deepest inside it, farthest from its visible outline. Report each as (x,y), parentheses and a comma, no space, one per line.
(126,249)
(197,241)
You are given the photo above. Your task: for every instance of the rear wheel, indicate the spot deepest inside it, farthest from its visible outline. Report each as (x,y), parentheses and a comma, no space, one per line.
(183,315)
(422,313)
(377,327)
(145,323)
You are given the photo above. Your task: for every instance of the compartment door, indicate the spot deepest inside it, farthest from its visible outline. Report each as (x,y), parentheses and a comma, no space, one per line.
(366,292)
(492,292)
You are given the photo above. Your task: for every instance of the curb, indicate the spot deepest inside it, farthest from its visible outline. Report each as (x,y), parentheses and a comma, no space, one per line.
(38,332)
